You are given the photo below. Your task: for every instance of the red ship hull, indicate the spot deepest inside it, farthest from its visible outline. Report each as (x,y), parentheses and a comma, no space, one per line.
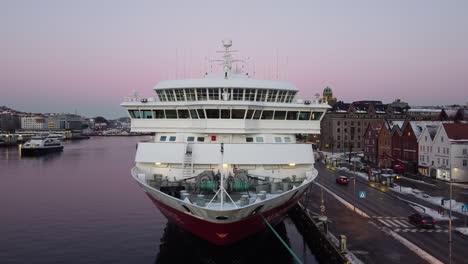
(224,234)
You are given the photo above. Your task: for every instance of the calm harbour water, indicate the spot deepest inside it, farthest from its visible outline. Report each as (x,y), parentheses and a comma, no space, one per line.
(82,206)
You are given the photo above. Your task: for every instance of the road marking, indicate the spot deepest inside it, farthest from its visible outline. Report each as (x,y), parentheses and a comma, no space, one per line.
(401,223)
(385,222)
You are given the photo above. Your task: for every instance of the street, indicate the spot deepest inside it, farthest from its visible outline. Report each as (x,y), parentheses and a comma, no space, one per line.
(386,213)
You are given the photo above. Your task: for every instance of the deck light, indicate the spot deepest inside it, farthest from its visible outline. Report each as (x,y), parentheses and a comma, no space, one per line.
(157,163)
(225,165)
(292,164)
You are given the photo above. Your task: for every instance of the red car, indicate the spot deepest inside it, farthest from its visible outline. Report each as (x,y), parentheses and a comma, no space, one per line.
(342,180)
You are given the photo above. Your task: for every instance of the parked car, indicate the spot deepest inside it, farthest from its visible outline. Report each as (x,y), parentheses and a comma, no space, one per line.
(422,220)
(343,180)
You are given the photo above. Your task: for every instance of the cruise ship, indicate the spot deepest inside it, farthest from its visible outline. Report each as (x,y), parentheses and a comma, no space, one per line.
(224,159)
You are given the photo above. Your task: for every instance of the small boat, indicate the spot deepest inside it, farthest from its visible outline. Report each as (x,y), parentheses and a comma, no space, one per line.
(41,146)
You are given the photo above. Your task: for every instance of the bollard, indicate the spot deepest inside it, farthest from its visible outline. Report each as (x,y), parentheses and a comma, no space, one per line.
(343,243)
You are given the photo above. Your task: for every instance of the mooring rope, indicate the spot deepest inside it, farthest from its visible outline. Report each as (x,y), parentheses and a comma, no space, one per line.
(282,241)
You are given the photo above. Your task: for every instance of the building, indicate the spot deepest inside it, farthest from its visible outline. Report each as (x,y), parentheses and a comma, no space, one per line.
(384,145)
(371,141)
(9,122)
(450,152)
(424,114)
(327,96)
(34,122)
(426,165)
(344,125)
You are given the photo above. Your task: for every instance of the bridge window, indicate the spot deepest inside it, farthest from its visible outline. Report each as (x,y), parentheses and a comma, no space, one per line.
(226,113)
(287,139)
(201,113)
(190,94)
(212,113)
(271,96)
(172,138)
(201,94)
(249,114)
(161,96)
(134,113)
(193,113)
(200,139)
(278,139)
(162,138)
(171,114)
(147,114)
(257,114)
(316,115)
(238,113)
(249,139)
(280,115)
(259,139)
(179,94)
(267,114)
(169,95)
(237,94)
(190,139)
(159,114)
(213,93)
(261,95)
(281,96)
(183,113)
(292,115)
(250,94)
(304,115)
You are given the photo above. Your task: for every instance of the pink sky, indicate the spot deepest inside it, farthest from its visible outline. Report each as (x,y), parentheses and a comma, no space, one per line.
(58,56)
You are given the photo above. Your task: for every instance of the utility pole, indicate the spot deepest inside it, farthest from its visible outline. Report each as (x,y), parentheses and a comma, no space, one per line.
(450,221)
(354,186)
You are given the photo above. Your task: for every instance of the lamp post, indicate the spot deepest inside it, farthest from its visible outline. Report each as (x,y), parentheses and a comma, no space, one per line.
(450,215)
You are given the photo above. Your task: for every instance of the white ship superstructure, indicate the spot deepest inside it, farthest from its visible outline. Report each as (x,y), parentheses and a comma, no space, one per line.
(224,151)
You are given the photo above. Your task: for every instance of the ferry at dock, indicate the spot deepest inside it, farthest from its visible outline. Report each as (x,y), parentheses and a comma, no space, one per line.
(224,159)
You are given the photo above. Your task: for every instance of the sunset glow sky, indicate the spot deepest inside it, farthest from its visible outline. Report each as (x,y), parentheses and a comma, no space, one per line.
(62,56)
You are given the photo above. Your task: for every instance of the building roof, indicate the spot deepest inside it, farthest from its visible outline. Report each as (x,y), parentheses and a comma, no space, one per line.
(234,81)
(418,126)
(456,131)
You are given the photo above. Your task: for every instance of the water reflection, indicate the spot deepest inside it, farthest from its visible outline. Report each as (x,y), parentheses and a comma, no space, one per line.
(179,246)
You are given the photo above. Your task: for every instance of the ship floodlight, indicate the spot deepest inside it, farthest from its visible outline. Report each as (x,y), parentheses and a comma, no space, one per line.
(157,163)
(292,164)
(225,165)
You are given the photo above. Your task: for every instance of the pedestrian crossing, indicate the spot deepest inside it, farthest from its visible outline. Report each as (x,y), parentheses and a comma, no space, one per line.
(401,224)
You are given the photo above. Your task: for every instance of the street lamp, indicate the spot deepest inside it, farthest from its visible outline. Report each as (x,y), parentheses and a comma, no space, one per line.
(455,169)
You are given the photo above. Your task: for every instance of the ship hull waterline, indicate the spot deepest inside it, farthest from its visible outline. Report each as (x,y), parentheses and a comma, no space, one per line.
(40,151)
(229,233)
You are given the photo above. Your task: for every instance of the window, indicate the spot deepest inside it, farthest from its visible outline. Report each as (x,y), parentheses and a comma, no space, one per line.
(259,139)
(257,114)
(213,93)
(271,96)
(190,94)
(171,114)
(287,139)
(249,139)
(316,115)
(280,115)
(261,94)
(172,138)
(179,94)
(250,94)
(201,113)
(226,113)
(267,115)
(183,113)
(238,113)
(200,139)
(193,113)
(249,114)
(237,94)
(190,139)
(162,138)
(281,96)
(147,114)
(464,151)
(442,138)
(201,94)
(134,113)
(464,163)
(338,130)
(170,95)
(161,96)
(292,115)
(212,113)
(338,123)
(438,149)
(304,115)
(278,139)
(159,114)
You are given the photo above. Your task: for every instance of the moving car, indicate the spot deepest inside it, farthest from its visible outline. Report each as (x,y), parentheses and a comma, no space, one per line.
(342,180)
(422,220)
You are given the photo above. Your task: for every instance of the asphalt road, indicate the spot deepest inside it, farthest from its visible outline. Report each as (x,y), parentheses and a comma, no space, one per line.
(389,213)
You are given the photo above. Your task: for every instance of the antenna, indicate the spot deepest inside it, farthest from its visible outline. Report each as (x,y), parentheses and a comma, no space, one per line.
(277,64)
